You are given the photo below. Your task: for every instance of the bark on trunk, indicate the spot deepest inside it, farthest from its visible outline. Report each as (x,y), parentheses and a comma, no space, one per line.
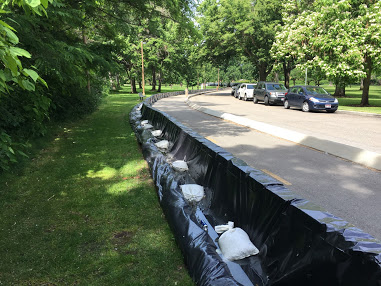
(112,84)
(117,81)
(362,84)
(133,85)
(159,89)
(262,74)
(340,90)
(263,71)
(276,77)
(286,73)
(153,78)
(365,91)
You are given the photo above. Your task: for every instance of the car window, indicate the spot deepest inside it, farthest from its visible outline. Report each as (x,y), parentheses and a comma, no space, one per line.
(276,86)
(250,86)
(300,90)
(311,90)
(294,90)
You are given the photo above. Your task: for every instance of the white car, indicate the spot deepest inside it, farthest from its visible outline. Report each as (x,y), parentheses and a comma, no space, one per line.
(246,91)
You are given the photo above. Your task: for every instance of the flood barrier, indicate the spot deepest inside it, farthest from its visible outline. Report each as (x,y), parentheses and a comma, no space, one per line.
(299,243)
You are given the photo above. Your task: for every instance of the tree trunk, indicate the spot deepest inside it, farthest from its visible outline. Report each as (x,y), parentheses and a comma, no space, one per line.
(133,85)
(112,84)
(340,90)
(276,78)
(286,73)
(262,70)
(117,82)
(159,89)
(262,74)
(153,78)
(365,91)
(362,84)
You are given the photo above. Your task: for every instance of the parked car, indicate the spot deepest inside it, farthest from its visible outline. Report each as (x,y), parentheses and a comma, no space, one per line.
(234,86)
(310,98)
(236,90)
(269,92)
(246,91)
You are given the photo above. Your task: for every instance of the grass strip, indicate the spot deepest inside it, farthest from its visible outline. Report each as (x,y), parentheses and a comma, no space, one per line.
(84,210)
(352,99)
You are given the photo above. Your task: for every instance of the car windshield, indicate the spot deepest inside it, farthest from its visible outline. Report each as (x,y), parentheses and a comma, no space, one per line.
(250,86)
(276,86)
(311,90)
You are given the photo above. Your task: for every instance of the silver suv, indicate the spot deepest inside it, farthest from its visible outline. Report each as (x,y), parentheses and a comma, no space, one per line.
(269,92)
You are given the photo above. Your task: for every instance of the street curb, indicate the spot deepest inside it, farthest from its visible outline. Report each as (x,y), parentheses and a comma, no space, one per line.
(359,113)
(354,154)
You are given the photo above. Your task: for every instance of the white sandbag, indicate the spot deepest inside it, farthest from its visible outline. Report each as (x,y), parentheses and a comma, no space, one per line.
(139,107)
(224,227)
(144,122)
(163,144)
(147,126)
(180,165)
(193,192)
(156,133)
(235,244)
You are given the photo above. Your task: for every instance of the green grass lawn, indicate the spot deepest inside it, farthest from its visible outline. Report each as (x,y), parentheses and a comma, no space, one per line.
(353,98)
(84,210)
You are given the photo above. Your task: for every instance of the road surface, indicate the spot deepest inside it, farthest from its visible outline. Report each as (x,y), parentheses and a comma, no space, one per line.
(345,189)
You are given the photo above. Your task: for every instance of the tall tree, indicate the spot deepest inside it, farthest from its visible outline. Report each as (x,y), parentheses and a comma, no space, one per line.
(368,40)
(337,38)
(242,27)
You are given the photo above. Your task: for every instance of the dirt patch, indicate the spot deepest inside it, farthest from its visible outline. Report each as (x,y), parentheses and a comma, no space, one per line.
(120,240)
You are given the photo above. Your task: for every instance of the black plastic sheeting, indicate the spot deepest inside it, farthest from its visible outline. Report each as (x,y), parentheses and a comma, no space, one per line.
(299,243)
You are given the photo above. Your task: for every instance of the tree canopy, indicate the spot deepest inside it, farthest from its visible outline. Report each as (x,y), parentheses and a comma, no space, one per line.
(59,57)
(335,40)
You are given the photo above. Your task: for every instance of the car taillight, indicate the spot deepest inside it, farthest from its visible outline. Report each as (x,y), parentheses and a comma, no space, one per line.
(285,93)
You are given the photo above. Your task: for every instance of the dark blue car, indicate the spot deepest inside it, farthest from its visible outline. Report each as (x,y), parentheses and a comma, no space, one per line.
(310,98)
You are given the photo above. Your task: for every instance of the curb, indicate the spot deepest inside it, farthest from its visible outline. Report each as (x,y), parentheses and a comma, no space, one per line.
(354,154)
(368,114)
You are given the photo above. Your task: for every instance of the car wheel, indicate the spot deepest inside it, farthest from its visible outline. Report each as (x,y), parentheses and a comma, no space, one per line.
(255,99)
(266,100)
(305,107)
(245,97)
(331,111)
(286,104)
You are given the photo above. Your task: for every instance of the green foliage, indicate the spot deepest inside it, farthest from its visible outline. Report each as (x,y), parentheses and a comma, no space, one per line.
(339,39)
(9,151)
(12,69)
(240,27)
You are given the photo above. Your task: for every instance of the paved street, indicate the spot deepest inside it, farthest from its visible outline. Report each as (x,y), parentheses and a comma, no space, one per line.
(359,131)
(345,189)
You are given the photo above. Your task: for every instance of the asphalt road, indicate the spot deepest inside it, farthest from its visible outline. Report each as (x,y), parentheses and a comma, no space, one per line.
(345,189)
